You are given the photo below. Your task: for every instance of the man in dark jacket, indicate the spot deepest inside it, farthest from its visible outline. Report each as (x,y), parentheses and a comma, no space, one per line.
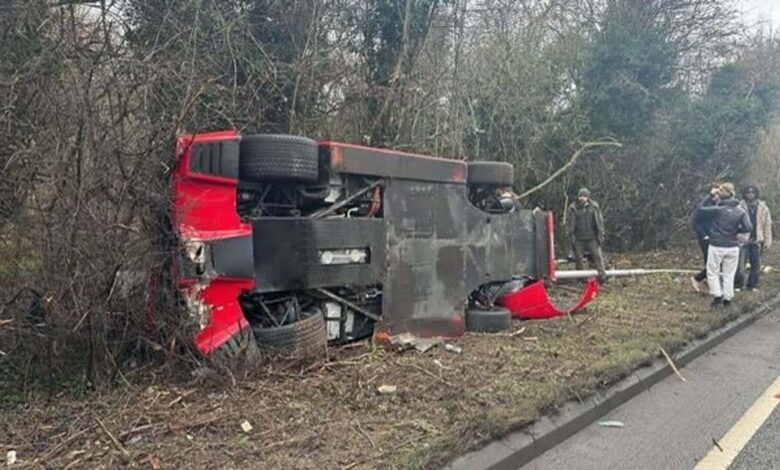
(701,222)
(728,220)
(585,229)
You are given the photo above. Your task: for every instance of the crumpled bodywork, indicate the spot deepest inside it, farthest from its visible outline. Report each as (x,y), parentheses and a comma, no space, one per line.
(205,219)
(532,301)
(428,250)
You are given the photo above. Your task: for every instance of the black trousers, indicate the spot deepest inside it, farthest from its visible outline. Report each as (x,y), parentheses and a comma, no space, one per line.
(752,253)
(704,245)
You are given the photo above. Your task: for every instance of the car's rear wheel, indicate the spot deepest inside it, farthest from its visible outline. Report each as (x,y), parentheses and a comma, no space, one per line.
(265,157)
(241,346)
(305,337)
(490,320)
(491,174)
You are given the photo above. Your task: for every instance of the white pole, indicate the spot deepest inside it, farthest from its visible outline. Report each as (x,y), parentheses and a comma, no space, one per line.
(619,273)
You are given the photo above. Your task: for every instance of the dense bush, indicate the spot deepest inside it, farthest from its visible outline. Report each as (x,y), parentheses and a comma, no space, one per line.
(93,93)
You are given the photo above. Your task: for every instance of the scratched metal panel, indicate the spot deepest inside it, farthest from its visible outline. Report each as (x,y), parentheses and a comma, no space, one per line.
(287,252)
(440,248)
(353,159)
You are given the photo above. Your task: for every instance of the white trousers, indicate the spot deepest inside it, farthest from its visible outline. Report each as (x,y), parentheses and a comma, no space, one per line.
(723,260)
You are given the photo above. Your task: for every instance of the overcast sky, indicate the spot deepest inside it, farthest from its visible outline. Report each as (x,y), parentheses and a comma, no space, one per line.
(762,10)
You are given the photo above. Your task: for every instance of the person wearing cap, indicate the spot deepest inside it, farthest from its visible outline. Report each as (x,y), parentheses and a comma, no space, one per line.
(753,243)
(585,229)
(728,220)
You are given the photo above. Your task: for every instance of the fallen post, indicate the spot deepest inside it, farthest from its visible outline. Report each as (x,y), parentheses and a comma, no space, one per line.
(586,273)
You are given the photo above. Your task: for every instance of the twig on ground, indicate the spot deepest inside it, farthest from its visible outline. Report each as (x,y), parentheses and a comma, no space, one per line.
(204,421)
(125,453)
(363,433)
(51,453)
(717,445)
(181,397)
(578,324)
(516,333)
(428,373)
(674,367)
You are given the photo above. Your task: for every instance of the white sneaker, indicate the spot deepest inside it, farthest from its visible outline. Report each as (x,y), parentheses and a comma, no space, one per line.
(737,289)
(695,284)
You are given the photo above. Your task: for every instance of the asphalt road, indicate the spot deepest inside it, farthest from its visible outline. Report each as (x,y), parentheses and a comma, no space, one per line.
(673,424)
(763,450)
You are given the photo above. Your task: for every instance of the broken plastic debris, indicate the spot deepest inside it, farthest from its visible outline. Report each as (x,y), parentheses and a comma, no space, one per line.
(611,424)
(246,427)
(10,457)
(408,341)
(453,348)
(387,389)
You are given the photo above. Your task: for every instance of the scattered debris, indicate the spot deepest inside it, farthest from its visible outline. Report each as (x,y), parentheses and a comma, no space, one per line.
(441,366)
(517,333)
(717,445)
(674,367)
(531,338)
(10,458)
(453,348)
(246,427)
(114,440)
(611,424)
(409,341)
(154,462)
(363,433)
(387,389)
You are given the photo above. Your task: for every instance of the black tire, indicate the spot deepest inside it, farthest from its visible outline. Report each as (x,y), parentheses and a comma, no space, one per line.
(488,320)
(306,337)
(491,174)
(264,157)
(242,346)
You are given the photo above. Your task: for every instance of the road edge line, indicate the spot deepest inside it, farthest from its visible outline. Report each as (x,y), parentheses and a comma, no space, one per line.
(735,440)
(520,447)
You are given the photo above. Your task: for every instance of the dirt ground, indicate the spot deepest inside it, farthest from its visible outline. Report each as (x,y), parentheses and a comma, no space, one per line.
(332,415)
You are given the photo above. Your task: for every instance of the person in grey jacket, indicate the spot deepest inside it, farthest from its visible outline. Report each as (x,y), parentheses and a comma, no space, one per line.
(728,221)
(754,243)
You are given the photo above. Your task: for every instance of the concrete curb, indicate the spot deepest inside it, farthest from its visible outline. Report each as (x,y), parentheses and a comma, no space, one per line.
(519,448)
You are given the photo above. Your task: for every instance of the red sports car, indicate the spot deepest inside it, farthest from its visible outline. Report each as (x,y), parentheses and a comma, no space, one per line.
(292,243)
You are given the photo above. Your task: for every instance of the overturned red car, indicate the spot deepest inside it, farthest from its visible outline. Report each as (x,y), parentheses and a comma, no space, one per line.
(291,243)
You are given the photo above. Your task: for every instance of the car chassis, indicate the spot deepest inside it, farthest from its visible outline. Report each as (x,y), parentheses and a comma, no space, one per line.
(301,242)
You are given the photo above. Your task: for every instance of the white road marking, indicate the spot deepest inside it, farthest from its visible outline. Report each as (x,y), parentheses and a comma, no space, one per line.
(738,436)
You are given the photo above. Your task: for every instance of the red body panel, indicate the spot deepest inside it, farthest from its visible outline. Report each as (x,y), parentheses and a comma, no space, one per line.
(204,206)
(227,319)
(204,209)
(533,301)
